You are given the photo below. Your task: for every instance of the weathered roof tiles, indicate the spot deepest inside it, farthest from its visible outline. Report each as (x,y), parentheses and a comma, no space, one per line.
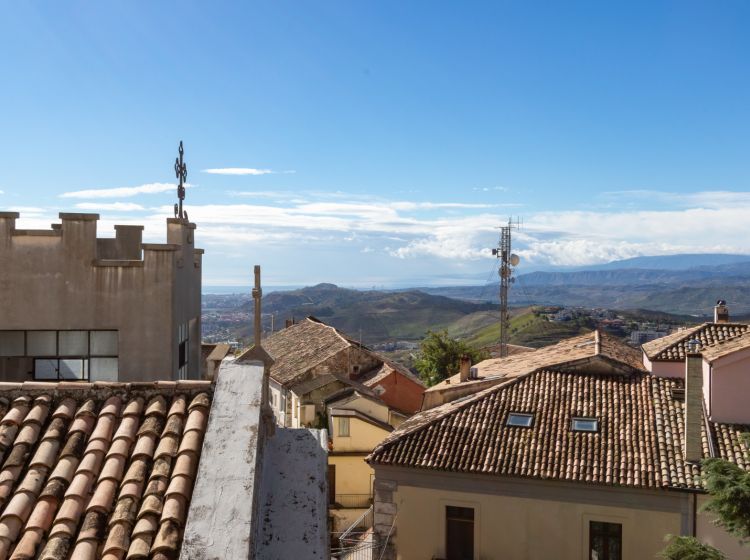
(638,443)
(98,471)
(673,347)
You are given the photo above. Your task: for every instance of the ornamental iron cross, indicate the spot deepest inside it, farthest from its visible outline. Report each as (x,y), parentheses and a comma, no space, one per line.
(180,171)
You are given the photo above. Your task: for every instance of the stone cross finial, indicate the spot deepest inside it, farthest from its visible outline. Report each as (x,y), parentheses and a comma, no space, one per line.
(180,171)
(257,295)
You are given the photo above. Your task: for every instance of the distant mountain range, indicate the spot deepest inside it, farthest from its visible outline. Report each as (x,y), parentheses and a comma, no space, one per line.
(681,284)
(378,315)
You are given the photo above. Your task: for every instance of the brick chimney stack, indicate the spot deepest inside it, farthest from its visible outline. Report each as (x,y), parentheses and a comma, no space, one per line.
(693,402)
(465,371)
(721,312)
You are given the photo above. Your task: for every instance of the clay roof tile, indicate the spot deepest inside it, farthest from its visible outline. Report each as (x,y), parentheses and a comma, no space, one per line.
(65,409)
(54,507)
(202,400)
(156,406)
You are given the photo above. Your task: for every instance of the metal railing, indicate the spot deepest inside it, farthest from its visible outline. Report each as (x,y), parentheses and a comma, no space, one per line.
(358,541)
(352,501)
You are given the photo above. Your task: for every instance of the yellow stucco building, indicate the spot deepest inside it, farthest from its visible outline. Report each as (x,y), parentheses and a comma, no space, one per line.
(358,423)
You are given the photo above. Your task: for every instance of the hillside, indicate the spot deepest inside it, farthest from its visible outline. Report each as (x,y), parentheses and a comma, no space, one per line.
(530,329)
(379,316)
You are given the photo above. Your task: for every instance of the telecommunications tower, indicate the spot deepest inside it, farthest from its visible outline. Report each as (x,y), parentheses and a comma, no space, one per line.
(508,261)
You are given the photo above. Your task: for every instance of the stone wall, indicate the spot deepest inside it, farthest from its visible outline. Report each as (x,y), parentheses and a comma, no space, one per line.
(384,515)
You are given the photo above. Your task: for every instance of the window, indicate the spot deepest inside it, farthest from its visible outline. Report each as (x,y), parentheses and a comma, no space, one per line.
(73,343)
(520,419)
(11,343)
(605,541)
(459,533)
(579,424)
(41,343)
(69,355)
(182,351)
(343,427)
(104,343)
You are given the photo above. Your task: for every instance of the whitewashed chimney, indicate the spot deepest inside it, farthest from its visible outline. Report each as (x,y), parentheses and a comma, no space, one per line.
(693,402)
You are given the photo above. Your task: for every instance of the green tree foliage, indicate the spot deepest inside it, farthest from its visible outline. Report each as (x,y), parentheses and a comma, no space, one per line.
(440,356)
(729,488)
(690,548)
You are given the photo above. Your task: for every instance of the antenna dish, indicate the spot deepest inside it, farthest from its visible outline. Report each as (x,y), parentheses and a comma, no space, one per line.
(514,260)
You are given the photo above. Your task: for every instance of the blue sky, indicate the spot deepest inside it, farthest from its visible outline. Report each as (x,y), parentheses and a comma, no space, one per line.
(372,143)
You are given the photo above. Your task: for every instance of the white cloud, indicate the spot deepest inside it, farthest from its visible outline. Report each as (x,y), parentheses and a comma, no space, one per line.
(456,233)
(113,206)
(242,171)
(123,192)
(488,189)
(2,192)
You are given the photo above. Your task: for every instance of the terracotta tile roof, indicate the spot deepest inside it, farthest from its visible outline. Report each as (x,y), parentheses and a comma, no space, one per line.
(300,347)
(671,348)
(726,347)
(102,470)
(639,442)
(568,351)
(375,376)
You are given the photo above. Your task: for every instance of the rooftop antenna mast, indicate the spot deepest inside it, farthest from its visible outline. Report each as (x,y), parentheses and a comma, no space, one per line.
(508,261)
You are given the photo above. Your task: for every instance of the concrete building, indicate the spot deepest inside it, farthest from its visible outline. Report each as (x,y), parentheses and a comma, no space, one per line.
(78,307)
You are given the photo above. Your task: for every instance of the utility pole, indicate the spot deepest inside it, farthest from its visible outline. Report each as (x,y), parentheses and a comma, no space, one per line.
(508,261)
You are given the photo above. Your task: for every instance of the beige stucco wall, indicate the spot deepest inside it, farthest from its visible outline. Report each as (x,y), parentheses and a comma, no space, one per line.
(709,533)
(353,475)
(508,527)
(379,411)
(363,436)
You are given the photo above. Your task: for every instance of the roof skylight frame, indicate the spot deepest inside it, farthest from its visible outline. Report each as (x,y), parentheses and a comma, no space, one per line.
(585,424)
(520,420)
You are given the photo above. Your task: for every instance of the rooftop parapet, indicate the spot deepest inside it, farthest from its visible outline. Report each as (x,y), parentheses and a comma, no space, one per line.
(78,236)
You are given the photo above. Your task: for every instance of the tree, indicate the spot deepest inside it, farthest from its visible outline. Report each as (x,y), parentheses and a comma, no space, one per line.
(690,548)
(440,356)
(729,488)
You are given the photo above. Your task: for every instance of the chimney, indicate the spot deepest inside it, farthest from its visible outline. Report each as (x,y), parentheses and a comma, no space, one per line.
(721,312)
(693,402)
(465,371)
(597,342)
(288,323)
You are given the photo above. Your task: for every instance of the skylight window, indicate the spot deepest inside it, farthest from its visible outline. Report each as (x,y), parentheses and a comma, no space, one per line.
(580,424)
(520,419)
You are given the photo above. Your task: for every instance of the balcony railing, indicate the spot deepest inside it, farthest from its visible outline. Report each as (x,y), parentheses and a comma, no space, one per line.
(351,501)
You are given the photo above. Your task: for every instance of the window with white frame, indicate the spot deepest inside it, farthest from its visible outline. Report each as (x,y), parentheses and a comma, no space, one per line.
(584,424)
(520,419)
